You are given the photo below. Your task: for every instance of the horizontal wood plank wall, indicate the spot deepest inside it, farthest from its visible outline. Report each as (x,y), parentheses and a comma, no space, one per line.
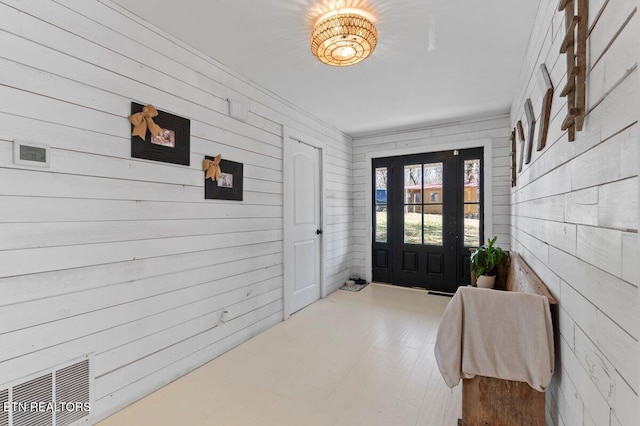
(123,257)
(575,215)
(495,128)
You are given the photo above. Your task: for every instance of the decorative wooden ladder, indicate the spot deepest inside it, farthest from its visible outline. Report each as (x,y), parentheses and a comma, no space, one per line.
(574,46)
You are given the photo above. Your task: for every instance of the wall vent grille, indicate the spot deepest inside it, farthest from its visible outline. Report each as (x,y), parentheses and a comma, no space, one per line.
(58,397)
(34,391)
(72,385)
(4,415)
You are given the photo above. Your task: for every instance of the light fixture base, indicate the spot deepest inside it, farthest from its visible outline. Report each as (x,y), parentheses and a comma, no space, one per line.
(343,38)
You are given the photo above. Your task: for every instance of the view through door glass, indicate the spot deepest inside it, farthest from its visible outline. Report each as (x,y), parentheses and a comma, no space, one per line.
(470,193)
(381,265)
(427,214)
(423,197)
(471,203)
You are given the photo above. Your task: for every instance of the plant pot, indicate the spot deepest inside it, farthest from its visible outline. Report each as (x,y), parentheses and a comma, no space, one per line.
(485,281)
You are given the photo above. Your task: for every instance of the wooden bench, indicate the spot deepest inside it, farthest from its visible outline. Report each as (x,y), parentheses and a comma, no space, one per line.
(489,401)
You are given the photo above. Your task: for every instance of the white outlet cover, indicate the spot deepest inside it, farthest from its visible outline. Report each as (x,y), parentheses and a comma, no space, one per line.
(238,110)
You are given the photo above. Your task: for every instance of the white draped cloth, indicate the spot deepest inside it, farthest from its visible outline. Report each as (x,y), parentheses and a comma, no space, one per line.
(501,334)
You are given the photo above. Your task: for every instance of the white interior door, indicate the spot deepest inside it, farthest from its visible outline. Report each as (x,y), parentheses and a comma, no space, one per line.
(306,231)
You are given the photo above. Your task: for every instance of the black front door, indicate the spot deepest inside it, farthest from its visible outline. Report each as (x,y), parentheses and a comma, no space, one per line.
(427,213)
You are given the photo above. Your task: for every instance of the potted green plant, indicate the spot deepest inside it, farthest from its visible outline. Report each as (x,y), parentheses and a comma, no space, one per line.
(485,261)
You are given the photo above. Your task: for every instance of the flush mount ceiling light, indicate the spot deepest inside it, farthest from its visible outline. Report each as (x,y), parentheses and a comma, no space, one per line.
(344,37)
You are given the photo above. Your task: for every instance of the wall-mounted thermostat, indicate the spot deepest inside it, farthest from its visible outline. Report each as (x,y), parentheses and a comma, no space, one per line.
(31,154)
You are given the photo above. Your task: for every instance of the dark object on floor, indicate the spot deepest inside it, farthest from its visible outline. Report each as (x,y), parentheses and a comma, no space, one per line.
(360,281)
(355,287)
(440,293)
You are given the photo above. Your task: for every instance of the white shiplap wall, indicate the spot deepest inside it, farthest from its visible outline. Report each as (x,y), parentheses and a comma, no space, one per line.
(451,136)
(575,216)
(122,257)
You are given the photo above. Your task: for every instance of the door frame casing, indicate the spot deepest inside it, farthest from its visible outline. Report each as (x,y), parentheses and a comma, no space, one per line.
(289,136)
(487,184)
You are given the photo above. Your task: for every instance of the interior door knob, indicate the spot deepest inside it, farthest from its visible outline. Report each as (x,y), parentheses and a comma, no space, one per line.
(318,231)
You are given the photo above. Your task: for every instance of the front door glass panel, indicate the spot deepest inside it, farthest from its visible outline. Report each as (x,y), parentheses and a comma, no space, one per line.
(381,205)
(432,207)
(471,196)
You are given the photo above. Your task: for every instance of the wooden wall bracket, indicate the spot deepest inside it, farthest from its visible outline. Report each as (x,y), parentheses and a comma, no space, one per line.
(514,165)
(545,117)
(521,137)
(531,121)
(574,46)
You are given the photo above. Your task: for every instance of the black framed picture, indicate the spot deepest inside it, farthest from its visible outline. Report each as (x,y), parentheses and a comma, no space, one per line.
(229,185)
(171,146)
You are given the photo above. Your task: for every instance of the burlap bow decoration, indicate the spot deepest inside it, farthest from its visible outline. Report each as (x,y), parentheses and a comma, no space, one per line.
(143,120)
(212,168)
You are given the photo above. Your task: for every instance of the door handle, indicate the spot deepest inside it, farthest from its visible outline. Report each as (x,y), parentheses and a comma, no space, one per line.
(318,231)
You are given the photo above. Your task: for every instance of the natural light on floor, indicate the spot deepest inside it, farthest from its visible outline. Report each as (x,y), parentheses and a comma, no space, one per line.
(352,358)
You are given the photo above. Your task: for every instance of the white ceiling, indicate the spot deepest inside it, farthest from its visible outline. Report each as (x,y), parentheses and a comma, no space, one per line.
(436,60)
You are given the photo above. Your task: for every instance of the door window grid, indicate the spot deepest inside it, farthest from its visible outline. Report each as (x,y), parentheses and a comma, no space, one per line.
(423,204)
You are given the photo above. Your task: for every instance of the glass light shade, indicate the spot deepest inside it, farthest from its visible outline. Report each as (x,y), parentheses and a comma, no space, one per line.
(343,39)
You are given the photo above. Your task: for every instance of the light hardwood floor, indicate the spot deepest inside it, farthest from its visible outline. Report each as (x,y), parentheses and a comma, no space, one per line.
(350,359)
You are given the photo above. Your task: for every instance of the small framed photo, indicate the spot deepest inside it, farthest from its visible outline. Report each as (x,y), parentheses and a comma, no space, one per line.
(229,184)
(225,181)
(171,146)
(166,138)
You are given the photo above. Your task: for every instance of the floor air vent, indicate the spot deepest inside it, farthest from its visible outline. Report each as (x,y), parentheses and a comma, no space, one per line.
(440,293)
(60,397)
